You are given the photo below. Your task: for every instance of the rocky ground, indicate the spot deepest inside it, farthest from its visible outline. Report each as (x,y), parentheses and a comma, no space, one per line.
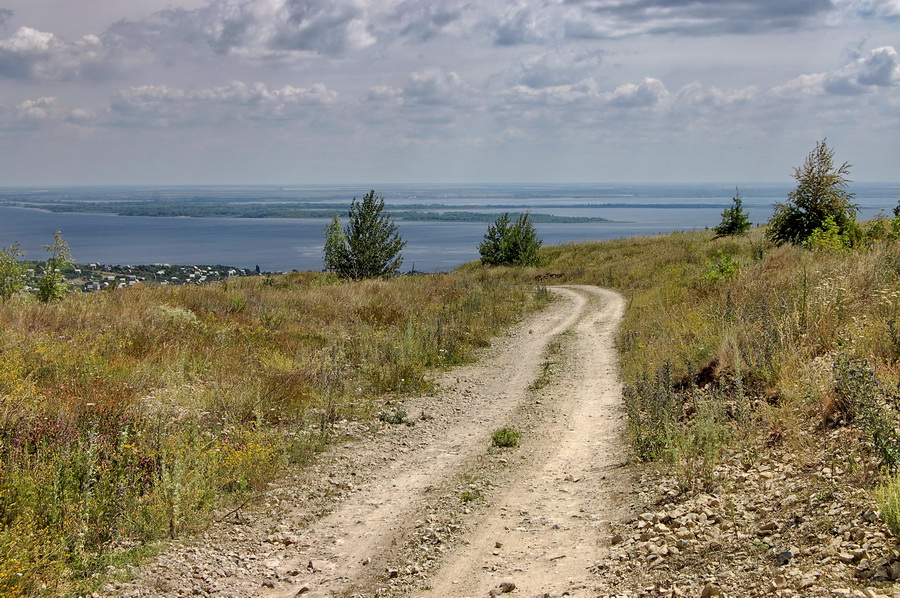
(428,507)
(787,523)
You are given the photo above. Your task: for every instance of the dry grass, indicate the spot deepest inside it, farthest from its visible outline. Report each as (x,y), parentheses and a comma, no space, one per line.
(734,340)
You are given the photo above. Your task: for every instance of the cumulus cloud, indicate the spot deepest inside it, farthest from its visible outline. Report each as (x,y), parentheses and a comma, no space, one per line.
(46,110)
(164,105)
(649,93)
(432,86)
(646,94)
(695,95)
(33,54)
(880,68)
(258,28)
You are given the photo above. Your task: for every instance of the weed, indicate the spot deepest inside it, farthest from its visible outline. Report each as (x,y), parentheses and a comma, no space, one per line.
(723,267)
(470,495)
(859,391)
(505,438)
(888,496)
(545,377)
(399,416)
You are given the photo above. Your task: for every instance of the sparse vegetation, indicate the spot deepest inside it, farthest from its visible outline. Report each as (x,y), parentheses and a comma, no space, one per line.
(505,438)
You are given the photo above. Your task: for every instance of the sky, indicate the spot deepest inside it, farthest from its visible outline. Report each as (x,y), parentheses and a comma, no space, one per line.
(174,92)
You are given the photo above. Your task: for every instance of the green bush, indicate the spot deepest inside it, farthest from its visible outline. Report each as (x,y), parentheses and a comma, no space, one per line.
(505,438)
(508,244)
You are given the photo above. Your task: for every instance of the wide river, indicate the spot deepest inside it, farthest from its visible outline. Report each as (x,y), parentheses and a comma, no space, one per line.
(280,244)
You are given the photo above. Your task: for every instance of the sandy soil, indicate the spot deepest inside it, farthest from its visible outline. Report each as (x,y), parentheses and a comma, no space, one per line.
(431,509)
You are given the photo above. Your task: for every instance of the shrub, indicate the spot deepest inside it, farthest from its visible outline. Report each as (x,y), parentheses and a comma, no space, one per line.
(888,496)
(508,244)
(734,219)
(11,270)
(505,438)
(52,284)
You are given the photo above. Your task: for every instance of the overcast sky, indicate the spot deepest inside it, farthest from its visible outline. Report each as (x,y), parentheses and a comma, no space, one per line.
(366,91)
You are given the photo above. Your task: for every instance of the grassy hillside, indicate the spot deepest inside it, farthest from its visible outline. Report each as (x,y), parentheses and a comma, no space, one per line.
(124,414)
(732,345)
(132,415)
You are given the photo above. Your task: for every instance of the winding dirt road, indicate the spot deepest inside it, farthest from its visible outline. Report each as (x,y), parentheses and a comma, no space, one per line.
(432,509)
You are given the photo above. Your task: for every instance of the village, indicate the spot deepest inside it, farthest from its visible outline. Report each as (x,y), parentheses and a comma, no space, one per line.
(95,277)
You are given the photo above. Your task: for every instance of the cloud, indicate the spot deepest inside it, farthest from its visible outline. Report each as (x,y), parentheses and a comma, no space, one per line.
(257,28)
(38,55)
(621,18)
(32,114)
(522,25)
(434,87)
(161,105)
(555,68)
(696,96)
(881,9)
(646,94)
(880,68)
(422,20)
(5,15)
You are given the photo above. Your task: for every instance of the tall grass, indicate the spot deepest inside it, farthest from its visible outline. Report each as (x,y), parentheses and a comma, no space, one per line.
(125,417)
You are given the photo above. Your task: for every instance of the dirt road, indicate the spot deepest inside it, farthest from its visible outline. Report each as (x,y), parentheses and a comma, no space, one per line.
(432,509)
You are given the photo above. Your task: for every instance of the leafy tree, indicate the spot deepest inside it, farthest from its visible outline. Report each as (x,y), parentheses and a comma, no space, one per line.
(11,271)
(515,244)
(369,246)
(821,194)
(52,284)
(734,219)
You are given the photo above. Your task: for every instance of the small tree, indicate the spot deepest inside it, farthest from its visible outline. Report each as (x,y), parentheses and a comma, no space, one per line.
(52,284)
(734,219)
(11,270)
(508,244)
(821,194)
(369,246)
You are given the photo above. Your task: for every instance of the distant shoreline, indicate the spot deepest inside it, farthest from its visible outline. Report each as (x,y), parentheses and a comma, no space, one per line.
(415,213)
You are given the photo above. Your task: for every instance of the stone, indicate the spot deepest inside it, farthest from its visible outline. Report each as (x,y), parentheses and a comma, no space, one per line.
(784,557)
(711,591)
